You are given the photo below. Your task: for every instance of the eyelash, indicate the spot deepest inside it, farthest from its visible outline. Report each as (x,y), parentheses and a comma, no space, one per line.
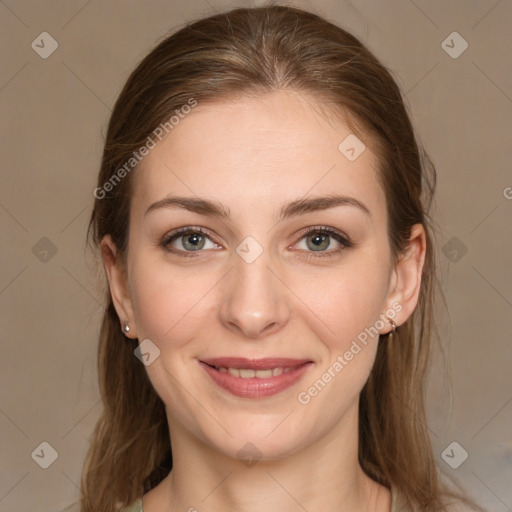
(345,241)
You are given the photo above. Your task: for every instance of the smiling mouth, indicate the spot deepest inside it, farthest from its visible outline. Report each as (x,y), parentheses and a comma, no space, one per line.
(247,373)
(257,378)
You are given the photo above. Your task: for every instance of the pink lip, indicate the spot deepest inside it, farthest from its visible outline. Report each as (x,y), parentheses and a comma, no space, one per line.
(254,364)
(255,387)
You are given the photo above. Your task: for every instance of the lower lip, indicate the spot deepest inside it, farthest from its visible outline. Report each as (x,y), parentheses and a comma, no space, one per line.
(254,387)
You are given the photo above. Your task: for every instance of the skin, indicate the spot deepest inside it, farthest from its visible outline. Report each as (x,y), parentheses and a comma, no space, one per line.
(255,155)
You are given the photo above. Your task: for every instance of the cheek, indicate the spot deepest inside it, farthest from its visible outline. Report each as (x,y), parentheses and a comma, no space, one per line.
(167,303)
(345,301)
(337,304)
(348,305)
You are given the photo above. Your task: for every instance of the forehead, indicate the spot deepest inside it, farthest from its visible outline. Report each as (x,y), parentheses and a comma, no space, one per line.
(258,152)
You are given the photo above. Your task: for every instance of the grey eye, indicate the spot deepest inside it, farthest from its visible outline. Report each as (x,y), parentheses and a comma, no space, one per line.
(318,241)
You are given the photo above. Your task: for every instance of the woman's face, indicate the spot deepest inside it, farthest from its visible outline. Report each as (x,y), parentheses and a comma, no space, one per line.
(254,285)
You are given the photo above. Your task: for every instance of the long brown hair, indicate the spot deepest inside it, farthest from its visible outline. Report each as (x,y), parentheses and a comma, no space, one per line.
(251,51)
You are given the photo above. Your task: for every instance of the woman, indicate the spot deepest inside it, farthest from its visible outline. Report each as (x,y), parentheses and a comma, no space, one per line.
(262,216)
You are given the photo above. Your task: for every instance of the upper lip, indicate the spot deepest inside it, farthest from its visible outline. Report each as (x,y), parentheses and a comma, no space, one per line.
(254,364)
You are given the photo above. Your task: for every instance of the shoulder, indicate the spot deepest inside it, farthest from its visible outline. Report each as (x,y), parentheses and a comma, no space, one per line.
(399,504)
(396,501)
(457,506)
(136,506)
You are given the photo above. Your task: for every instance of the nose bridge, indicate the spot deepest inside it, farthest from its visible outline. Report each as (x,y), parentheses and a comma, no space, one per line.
(254,302)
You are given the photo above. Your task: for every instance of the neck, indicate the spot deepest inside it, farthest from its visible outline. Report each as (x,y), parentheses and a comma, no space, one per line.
(325,476)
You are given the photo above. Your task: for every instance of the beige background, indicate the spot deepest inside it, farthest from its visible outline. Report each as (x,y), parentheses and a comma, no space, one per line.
(54,112)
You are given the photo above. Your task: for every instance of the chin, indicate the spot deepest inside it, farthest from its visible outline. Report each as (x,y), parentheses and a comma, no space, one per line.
(260,439)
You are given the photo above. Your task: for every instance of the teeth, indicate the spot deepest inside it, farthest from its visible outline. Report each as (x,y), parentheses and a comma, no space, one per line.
(234,372)
(263,374)
(244,373)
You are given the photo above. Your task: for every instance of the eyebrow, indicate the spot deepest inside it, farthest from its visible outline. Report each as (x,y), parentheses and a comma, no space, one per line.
(204,206)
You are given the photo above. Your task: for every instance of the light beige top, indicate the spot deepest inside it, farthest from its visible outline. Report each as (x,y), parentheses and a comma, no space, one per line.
(137,505)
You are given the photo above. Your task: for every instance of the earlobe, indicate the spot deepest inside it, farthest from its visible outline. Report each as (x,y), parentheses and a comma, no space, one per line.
(118,285)
(406,283)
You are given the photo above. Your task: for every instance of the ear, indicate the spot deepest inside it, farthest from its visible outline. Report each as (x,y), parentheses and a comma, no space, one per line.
(405,283)
(118,284)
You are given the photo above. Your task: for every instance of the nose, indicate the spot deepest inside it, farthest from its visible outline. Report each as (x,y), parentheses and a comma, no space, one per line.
(255,302)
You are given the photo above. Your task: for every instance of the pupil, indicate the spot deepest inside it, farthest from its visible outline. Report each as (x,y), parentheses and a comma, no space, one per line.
(193,241)
(319,241)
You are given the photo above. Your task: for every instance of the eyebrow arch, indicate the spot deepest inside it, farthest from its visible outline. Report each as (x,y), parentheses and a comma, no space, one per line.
(301,206)
(298,207)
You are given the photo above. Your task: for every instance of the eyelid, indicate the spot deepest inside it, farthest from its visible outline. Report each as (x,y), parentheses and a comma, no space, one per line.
(338,235)
(324,229)
(175,234)
(341,237)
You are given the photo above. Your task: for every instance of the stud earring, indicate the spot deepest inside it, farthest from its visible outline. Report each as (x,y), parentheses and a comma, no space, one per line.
(126,327)
(393,325)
